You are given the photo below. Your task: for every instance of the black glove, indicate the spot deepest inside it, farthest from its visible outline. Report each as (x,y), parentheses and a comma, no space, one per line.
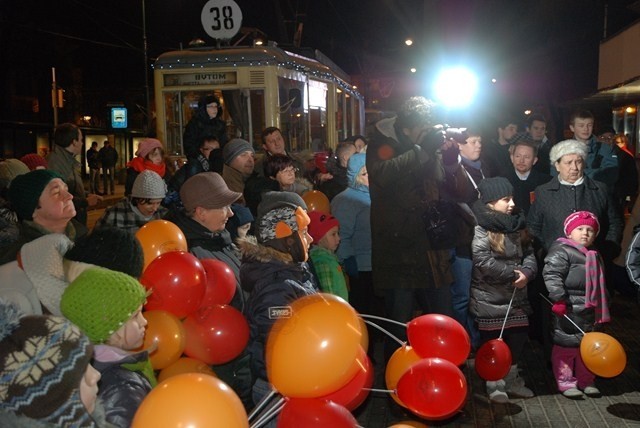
(432,139)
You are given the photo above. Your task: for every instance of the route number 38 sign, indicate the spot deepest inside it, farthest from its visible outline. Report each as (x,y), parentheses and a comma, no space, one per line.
(221,19)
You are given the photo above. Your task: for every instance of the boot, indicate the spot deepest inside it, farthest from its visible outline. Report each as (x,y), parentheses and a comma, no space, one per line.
(514,384)
(496,391)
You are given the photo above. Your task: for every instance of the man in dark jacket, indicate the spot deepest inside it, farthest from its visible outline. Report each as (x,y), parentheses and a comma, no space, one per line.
(403,179)
(522,176)
(108,157)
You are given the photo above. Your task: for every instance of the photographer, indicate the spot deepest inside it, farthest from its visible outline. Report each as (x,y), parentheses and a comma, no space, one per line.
(405,171)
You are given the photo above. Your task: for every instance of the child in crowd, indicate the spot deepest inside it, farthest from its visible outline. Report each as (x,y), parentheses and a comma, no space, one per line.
(324,229)
(150,155)
(574,276)
(45,376)
(143,205)
(503,264)
(241,222)
(107,306)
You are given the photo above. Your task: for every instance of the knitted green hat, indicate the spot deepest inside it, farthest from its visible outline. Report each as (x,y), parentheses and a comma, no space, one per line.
(26,189)
(100,301)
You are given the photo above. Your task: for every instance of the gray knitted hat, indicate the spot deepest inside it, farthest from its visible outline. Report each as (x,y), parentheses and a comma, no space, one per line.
(149,185)
(234,148)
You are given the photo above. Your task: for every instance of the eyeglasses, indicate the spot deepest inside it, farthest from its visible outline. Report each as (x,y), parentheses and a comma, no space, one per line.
(290,169)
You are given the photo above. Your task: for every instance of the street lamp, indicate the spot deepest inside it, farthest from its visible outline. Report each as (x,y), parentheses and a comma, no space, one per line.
(456,87)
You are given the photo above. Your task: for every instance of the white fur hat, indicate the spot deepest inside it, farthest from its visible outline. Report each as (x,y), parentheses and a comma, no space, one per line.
(567,147)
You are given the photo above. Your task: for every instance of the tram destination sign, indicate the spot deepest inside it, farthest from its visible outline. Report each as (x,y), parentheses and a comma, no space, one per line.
(204,78)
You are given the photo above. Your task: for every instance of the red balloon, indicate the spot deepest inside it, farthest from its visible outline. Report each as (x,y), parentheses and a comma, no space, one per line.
(314,412)
(493,360)
(216,335)
(433,388)
(221,283)
(177,283)
(439,336)
(356,390)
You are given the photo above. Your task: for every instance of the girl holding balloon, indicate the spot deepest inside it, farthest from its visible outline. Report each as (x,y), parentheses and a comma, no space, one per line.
(574,276)
(503,264)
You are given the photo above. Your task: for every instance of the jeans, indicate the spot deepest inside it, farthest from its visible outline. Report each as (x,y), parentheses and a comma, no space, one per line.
(94,180)
(460,293)
(107,178)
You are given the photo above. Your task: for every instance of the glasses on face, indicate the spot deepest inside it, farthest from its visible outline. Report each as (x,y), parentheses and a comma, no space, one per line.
(290,169)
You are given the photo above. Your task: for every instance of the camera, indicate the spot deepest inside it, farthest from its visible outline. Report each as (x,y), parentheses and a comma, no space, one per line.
(459,135)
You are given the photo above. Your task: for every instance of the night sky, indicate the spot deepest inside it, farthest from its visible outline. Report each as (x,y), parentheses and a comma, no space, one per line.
(542,50)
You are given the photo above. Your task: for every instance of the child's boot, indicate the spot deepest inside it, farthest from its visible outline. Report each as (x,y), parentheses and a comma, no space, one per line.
(514,384)
(496,391)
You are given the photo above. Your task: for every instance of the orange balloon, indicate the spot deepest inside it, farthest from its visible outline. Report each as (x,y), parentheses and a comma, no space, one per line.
(364,340)
(408,424)
(315,351)
(602,354)
(191,400)
(316,201)
(398,364)
(158,237)
(166,335)
(185,365)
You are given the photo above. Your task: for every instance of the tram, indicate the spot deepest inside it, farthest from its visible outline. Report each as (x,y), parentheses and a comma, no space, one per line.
(304,94)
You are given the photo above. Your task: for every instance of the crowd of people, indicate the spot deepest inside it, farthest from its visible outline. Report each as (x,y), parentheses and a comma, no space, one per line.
(421,219)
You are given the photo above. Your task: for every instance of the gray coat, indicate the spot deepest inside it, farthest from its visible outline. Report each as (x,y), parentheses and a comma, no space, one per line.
(493,275)
(554,202)
(565,278)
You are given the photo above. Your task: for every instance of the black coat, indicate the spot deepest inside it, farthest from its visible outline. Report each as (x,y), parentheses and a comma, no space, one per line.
(522,189)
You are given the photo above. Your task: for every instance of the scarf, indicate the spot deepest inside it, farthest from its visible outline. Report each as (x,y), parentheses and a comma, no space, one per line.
(495,221)
(204,162)
(596,290)
(139,164)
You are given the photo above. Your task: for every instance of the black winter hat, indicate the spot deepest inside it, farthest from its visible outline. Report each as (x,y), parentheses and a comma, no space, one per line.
(111,248)
(492,189)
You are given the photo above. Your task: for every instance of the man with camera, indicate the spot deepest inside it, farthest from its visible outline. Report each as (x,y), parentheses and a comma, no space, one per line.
(405,172)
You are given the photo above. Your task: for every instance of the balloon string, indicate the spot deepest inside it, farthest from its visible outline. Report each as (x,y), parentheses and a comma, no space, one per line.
(404,324)
(508,309)
(386,332)
(390,391)
(270,413)
(262,403)
(565,315)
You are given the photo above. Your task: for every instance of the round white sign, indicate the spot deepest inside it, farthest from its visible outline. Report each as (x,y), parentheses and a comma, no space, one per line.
(221,19)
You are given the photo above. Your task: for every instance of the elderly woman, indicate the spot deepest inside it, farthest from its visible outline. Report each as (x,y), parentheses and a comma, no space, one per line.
(572,191)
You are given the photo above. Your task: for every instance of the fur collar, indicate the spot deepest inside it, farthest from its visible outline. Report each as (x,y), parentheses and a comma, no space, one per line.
(252,250)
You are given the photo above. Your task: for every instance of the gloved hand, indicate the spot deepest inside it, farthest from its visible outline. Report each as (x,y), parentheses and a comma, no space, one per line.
(432,139)
(559,308)
(351,266)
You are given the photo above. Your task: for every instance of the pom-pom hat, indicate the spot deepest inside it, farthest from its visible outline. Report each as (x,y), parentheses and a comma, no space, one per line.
(42,360)
(100,301)
(581,218)
(34,161)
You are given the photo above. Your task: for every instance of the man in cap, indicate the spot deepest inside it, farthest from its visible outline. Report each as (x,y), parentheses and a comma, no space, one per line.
(239,162)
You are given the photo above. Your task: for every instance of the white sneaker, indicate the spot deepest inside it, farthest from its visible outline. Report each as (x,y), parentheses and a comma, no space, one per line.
(573,393)
(592,391)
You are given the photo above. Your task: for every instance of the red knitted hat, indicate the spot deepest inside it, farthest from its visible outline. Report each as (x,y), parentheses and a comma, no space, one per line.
(33,161)
(320,224)
(580,218)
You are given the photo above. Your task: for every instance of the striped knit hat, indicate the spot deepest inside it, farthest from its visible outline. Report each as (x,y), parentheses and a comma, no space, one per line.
(42,360)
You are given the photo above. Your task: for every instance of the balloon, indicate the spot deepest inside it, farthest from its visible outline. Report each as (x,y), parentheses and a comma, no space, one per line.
(216,335)
(191,400)
(165,334)
(364,340)
(354,392)
(433,388)
(158,237)
(408,424)
(439,336)
(221,283)
(313,412)
(493,360)
(398,365)
(320,160)
(314,350)
(185,365)
(317,201)
(177,281)
(602,354)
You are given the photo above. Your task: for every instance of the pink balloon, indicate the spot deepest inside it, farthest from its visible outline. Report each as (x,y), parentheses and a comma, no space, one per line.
(221,283)
(439,336)
(216,335)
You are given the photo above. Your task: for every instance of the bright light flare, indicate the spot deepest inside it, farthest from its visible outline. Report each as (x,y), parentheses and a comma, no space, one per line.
(408,42)
(456,87)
